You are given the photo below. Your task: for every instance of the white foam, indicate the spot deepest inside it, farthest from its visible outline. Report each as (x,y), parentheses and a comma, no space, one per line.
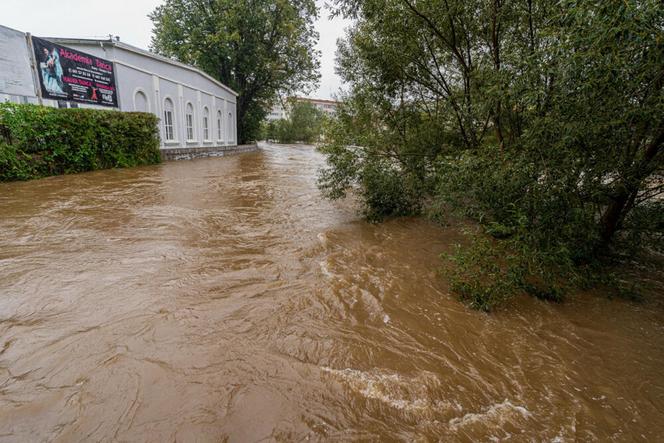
(325,269)
(499,412)
(403,393)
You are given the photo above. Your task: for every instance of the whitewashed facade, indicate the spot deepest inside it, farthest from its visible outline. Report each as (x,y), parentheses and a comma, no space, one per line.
(195,110)
(17,81)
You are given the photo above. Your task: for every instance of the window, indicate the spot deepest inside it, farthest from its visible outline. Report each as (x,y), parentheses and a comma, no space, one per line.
(206,124)
(189,121)
(169,131)
(230,131)
(141,102)
(219,128)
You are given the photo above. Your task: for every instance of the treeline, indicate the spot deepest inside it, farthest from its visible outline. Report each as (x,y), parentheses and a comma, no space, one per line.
(541,120)
(304,124)
(38,141)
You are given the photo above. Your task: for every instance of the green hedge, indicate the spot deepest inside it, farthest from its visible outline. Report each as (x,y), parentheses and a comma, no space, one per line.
(38,141)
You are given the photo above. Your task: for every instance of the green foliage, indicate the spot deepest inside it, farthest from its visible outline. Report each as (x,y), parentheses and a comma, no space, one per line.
(281,131)
(385,187)
(387,191)
(37,141)
(258,48)
(304,124)
(14,164)
(483,276)
(488,272)
(385,155)
(541,120)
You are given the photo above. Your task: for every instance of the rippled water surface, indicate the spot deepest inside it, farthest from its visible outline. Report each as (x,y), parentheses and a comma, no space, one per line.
(225,300)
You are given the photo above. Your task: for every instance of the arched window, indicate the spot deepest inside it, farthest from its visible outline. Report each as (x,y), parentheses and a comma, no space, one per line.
(169,127)
(189,121)
(206,124)
(230,131)
(220,129)
(141,102)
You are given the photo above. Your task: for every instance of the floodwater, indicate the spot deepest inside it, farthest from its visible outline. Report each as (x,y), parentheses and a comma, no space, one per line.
(224,300)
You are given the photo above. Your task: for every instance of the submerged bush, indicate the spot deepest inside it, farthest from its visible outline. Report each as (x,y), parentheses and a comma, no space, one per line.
(37,141)
(541,121)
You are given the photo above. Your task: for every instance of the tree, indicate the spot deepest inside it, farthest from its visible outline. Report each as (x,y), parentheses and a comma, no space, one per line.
(306,121)
(304,124)
(540,119)
(258,48)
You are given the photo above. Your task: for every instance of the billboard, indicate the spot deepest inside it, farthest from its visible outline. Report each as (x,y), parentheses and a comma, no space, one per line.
(72,75)
(15,72)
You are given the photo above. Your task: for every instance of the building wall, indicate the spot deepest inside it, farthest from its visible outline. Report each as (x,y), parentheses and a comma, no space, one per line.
(144,82)
(328,107)
(277,113)
(16,77)
(139,75)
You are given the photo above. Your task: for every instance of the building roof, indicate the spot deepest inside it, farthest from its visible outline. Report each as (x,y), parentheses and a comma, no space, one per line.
(318,100)
(137,50)
(12,29)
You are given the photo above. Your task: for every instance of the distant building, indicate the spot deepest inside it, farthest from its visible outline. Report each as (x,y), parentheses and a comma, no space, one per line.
(329,107)
(196,111)
(279,112)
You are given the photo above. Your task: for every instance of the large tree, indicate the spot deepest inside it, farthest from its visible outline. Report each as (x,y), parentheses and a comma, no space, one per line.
(260,48)
(541,119)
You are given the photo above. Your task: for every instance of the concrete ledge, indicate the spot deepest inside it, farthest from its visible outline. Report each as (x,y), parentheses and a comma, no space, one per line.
(202,152)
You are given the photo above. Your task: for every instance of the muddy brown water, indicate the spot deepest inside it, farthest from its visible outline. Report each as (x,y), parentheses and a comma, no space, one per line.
(225,300)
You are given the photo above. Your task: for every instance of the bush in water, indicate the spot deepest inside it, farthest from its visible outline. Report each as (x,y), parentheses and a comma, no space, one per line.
(541,121)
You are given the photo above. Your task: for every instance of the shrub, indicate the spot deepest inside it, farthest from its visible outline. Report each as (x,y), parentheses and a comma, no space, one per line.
(37,141)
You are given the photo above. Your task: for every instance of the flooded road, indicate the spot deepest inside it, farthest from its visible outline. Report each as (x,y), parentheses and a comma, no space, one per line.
(225,300)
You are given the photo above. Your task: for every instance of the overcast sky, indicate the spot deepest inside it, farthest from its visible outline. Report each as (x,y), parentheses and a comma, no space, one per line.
(128,19)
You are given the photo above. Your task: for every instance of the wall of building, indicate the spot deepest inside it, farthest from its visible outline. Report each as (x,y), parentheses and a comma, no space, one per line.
(277,113)
(328,107)
(146,83)
(16,77)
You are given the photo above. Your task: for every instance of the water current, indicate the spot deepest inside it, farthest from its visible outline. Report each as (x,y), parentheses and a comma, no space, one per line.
(224,299)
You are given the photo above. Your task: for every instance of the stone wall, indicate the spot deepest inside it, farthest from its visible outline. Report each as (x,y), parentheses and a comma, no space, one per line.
(202,152)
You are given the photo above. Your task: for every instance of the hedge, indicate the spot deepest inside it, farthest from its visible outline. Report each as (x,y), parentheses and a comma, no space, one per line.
(38,141)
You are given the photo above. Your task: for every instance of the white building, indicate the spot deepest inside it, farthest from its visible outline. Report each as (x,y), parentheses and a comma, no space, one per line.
(328,107)
(280,111)
(195,110)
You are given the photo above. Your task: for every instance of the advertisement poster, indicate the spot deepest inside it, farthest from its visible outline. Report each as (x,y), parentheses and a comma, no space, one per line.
(68,74)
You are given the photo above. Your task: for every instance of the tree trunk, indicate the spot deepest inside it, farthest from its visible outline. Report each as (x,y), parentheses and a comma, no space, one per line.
(240,121)
(621,205)
(615,214)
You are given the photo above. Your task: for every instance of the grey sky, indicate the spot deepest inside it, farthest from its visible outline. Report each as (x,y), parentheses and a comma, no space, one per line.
(128,19)
(330,31)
